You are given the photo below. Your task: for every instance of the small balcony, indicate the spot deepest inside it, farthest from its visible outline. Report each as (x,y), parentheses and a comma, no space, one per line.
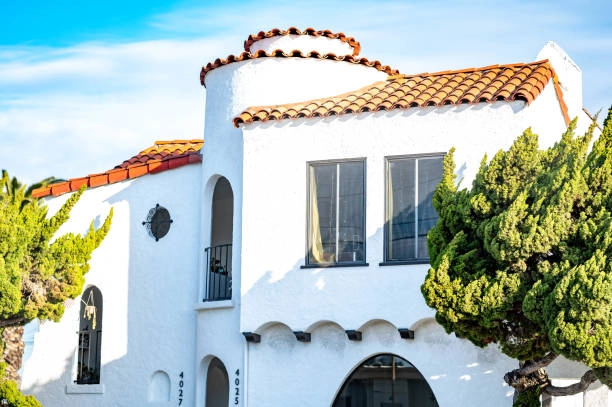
(218,273)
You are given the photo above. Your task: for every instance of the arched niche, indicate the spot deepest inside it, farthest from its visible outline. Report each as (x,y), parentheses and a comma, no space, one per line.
(159,387)
(385,380)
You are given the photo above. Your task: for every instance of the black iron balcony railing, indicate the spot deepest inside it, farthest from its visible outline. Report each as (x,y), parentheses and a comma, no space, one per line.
(218,273)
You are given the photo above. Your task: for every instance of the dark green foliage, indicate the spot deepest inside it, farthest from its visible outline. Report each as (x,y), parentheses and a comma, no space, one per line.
(524,258)
(528,398)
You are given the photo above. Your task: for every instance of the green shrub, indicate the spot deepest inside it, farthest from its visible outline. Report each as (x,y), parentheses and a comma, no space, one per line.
(10,392)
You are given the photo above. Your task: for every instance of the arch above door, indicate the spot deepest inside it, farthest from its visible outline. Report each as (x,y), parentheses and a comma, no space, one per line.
(385,380)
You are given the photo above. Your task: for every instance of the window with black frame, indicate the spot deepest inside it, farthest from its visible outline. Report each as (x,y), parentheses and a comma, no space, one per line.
(410,184)
(336,213)
(90,337)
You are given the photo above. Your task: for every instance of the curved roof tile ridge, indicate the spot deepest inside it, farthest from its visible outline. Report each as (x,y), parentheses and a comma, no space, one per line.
(245,56)
(510,82)
(162,156)
(276,32)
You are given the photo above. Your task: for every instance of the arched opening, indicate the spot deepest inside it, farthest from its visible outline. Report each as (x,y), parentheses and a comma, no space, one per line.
(159,387)
(219,254)
(90,337)
(385,381)
(217,385)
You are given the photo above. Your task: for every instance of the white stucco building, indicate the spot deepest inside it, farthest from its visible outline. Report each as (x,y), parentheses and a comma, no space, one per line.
(290,272)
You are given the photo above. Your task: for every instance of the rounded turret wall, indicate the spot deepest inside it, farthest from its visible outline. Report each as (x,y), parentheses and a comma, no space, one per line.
(271,77)
(284,69)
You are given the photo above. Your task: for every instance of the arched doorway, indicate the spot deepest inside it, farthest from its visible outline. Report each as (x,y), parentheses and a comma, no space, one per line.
(217,385)
(385,381)
(219,254)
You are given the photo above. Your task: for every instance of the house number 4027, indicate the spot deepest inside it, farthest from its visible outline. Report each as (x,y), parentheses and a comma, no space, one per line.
(181,384)
(237,387)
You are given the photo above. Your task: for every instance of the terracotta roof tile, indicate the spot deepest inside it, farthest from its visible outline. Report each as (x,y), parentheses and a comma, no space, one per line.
(275,32)
(162,156)
(245,56)
(98,180)
(521,81)
(57,189)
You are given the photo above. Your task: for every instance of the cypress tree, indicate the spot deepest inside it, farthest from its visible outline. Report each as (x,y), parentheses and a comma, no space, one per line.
(523,259)
(39,271)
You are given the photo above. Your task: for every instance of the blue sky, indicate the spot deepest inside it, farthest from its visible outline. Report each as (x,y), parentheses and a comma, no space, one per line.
(85,85)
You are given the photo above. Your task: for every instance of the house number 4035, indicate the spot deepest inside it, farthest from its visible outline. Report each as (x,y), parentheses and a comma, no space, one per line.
(237,387)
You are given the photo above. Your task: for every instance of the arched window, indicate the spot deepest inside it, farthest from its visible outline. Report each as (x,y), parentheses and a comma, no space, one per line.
(90,337)
(218,266)
(217,385)
(386,381)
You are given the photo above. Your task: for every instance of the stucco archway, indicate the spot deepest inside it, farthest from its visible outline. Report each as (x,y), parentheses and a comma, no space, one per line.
(385,380)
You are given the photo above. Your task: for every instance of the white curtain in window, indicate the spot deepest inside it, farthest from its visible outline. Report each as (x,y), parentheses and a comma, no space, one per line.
(316,246)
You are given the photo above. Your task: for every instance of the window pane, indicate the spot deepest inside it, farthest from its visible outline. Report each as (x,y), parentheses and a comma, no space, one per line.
(351,216)
(336,223)
(430,174)
(322,235)
(411,182)
(401,207)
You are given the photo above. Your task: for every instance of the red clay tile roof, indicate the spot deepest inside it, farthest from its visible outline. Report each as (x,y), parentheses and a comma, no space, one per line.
(164,155)
(309,31)
(293,54)
(474,85)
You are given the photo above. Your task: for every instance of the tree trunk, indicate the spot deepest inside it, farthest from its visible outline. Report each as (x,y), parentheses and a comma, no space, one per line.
(12,322)
(530,380)
(13,351)
(585,381)
(529,375)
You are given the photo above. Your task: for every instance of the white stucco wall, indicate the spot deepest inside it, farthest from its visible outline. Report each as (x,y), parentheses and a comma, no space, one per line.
(148,291)
(274,206)
(230,89)
(569,76)
(285,372)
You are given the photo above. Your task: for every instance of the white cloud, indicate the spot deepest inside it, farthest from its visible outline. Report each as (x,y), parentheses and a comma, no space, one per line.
(67,114)
(78,136)
(64,65)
